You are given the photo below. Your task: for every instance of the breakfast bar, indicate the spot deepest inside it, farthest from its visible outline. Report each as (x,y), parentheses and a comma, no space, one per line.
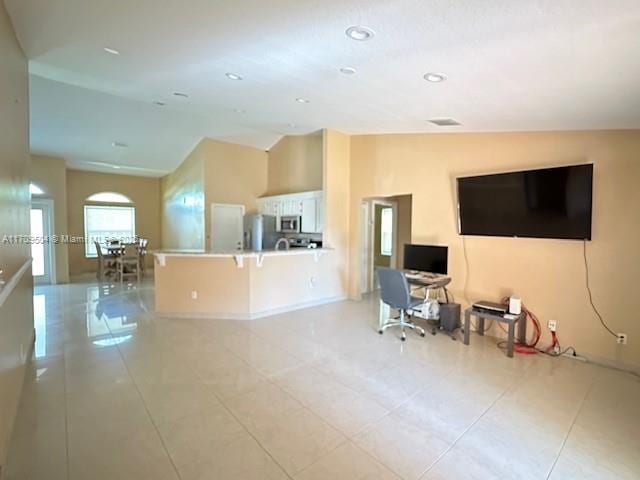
(245,284)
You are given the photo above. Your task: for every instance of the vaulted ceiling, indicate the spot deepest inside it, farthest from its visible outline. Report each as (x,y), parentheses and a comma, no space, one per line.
(509,65)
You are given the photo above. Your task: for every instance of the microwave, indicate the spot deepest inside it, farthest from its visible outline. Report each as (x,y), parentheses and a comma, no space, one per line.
(290,224)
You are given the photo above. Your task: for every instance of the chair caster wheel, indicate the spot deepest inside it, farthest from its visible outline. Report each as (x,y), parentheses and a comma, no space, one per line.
(433,333)
(402,339)
(422,334)
(380,332)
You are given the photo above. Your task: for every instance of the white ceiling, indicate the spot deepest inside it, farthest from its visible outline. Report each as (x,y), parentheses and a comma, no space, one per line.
(511,65)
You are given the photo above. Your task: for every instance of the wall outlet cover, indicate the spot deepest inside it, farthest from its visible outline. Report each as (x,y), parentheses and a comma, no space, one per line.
(622,339)
(552,325)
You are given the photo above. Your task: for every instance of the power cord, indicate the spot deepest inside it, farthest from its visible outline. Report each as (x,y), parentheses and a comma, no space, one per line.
(586,271)
(466,281)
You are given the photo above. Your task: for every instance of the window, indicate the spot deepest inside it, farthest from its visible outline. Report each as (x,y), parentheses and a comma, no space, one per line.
(386,232)
(104,222)
(109,197)
(35,190)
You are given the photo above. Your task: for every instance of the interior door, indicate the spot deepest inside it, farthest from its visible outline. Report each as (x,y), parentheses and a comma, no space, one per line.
(41,238)
(227,227)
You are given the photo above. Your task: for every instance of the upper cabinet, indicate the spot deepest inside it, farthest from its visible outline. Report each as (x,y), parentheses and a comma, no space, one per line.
(307,205)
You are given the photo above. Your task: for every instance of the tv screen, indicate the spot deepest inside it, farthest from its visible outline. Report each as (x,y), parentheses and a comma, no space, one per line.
(546,203)
(426,258)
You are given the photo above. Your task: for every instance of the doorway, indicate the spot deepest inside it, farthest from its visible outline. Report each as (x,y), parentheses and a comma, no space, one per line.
(386,228)
(42,252)
(227,227)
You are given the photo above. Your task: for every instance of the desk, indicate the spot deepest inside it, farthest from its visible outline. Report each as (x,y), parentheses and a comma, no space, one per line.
(521,320)
(428,282)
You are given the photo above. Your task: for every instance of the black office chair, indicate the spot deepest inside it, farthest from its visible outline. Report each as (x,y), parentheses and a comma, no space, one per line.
(394,291)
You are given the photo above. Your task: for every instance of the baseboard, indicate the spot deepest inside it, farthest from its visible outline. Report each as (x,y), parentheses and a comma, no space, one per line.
(592,359)
(298,306)
(254,315)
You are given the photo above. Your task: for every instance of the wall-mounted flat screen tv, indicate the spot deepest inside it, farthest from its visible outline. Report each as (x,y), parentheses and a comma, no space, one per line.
(545,203)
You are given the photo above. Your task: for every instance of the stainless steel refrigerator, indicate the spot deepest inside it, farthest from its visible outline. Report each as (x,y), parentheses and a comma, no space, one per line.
(260,232)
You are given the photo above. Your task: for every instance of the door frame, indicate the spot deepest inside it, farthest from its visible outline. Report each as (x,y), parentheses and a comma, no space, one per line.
(48,227)
(368,239)
(212,212)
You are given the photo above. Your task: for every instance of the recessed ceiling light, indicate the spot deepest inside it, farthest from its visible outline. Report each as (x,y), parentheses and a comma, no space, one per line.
(181,94)
(233,76)
(291,125)
(159,103)
(119,144)
(360,33)
(117,167)
(348,70)
(435,77)
(444,122)
(302,100)
(239,110)
(112,51)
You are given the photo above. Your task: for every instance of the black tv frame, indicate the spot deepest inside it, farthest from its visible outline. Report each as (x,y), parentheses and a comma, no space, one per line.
(459,218)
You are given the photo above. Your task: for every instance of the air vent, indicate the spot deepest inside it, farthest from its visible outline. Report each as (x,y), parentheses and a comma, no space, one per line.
(444,122)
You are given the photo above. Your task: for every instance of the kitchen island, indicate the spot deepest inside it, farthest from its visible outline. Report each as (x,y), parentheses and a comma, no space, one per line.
(245,284)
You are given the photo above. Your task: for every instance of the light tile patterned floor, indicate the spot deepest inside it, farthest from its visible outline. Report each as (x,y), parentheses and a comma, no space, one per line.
(117,392)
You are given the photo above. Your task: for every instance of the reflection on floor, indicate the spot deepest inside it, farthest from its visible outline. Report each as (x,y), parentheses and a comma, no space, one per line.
(116,392)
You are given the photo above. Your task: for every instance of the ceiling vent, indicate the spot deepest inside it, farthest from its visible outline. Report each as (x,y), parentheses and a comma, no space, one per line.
(444,122)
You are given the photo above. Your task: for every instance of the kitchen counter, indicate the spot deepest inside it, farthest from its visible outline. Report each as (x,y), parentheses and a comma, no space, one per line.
(245,284)
(238,255)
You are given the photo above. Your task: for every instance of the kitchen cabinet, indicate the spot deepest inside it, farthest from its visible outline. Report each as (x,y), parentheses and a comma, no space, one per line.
(307,205)
(309,216)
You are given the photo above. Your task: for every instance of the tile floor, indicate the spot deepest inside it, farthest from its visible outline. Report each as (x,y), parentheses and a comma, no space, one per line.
(117,392)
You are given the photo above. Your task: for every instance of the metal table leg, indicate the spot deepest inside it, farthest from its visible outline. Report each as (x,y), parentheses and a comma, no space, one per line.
(480,325)
(510,339)
(467,326)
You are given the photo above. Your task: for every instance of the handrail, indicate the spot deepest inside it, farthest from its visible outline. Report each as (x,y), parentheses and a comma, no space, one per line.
(13,281)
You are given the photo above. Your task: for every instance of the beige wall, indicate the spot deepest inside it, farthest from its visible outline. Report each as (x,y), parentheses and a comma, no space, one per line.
(549,275)
(336,186)
(295,164)
(214,172)
(404,226)
(49,173)
(16,314)
(232,174)
(182,197)
(143,191)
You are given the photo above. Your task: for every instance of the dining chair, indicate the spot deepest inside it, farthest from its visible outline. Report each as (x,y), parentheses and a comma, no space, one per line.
(106,263)
(128,262)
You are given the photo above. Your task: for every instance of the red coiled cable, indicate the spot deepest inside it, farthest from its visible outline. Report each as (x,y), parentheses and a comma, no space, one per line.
(531,348)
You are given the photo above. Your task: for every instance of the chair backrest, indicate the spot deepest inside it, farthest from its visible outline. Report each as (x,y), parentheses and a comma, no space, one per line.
(394,288)
(130,250)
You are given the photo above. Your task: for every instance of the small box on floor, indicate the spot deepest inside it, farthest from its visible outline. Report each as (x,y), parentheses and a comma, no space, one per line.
(449,316)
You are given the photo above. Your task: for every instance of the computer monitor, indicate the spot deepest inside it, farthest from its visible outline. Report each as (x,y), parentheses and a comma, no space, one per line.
(426,258)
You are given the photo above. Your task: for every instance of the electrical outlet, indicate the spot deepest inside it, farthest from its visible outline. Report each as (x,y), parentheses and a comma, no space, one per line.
(552,325)
(312,282)
(622,339)
(194,295)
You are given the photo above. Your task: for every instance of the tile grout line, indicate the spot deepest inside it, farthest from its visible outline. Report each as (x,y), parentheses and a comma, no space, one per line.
(455,442)
(146,408)
(566,437)
(228,410)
